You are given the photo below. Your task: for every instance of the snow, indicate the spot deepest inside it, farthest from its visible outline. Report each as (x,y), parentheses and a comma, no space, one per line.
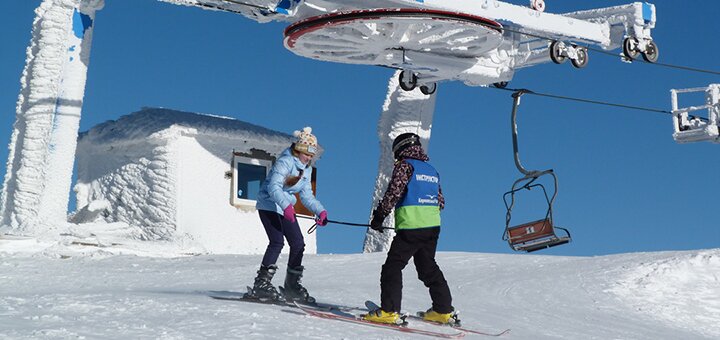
(660,287)
(152,123)
(86,292)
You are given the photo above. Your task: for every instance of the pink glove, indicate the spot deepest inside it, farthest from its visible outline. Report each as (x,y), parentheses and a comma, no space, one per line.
(289,213)
(322,219)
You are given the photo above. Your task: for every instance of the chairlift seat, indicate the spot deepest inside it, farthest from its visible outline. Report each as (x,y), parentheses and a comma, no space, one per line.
(536,235)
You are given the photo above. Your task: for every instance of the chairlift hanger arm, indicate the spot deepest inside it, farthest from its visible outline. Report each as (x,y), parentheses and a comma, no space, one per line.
(513,125)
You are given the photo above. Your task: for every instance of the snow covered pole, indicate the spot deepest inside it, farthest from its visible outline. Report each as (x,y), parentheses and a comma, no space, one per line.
(403,111)
(42,147)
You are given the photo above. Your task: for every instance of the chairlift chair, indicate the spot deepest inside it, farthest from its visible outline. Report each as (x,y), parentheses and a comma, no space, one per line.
(539,234)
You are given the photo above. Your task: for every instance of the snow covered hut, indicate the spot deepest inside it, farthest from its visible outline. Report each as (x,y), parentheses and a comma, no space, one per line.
(180,177)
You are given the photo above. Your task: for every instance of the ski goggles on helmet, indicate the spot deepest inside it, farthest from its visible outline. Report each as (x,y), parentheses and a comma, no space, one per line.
(404,143)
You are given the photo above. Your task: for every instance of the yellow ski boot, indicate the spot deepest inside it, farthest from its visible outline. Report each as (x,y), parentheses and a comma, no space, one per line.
(381,316)
(441,318)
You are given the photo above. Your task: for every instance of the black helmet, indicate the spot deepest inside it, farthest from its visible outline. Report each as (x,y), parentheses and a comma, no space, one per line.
(404,141)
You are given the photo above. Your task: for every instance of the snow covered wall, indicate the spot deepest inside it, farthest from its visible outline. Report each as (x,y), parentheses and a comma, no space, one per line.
(42,147)
(163,171)
(403,111)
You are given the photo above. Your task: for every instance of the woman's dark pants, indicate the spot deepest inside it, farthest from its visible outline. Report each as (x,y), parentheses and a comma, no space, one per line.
(277,227)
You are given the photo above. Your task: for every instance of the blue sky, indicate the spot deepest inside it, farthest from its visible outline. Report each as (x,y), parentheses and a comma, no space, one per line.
(625,185)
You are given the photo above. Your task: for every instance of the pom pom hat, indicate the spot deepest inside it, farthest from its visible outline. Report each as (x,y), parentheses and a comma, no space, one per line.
(306,142)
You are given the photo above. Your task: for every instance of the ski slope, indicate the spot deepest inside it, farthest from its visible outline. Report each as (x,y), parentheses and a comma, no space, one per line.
(65,291)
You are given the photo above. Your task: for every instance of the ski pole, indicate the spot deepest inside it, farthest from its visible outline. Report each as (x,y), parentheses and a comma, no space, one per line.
(314,226)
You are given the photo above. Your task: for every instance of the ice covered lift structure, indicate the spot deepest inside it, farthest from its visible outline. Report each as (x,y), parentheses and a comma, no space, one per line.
(688,128)
(478,42)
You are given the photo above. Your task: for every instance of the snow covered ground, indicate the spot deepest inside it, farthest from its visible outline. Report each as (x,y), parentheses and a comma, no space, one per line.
(55,291)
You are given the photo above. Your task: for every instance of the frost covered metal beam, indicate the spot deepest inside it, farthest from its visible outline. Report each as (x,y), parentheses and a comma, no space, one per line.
(590,26)
(528,19)
(636,19)
(258,10)
(42,147)
(441,40)
(403,111)
(689,128)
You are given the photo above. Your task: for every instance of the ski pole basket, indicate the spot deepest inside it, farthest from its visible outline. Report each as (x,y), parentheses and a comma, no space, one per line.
(539,234)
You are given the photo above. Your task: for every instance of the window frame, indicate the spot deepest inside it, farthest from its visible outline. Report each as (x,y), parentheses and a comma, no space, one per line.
(241,158)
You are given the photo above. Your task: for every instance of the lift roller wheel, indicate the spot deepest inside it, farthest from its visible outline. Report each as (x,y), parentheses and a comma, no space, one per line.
(408,80)
(581,57)
(428,89)
(501,84)
(384,36)
(651,52)
(556,52)
(630,48)
(538,5)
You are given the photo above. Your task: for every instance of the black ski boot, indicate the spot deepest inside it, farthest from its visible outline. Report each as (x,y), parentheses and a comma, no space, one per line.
(263,289)
(293,290)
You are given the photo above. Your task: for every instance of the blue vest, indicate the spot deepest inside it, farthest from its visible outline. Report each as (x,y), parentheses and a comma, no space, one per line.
(420,207)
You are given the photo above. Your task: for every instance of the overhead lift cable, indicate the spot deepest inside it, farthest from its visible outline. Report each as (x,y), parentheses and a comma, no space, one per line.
(241,3)
(596,102)
(680,67)
(234,2)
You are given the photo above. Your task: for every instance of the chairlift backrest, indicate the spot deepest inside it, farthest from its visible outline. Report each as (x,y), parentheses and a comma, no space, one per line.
(535,235)
(530,231)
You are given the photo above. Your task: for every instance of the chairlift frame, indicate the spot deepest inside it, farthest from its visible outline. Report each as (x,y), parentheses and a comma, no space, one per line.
(539,234)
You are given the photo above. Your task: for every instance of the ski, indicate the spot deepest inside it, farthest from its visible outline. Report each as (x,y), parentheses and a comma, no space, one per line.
(244,297)
(419,316)
(252,300)
(357,320)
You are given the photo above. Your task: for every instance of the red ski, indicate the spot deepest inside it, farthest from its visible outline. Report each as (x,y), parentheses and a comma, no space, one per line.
(359,321)
(419,316)
(462,329)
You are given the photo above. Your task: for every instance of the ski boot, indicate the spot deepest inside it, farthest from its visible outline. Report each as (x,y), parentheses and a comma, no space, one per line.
(441,318)
(381,316)
(293,290)
(263,289)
